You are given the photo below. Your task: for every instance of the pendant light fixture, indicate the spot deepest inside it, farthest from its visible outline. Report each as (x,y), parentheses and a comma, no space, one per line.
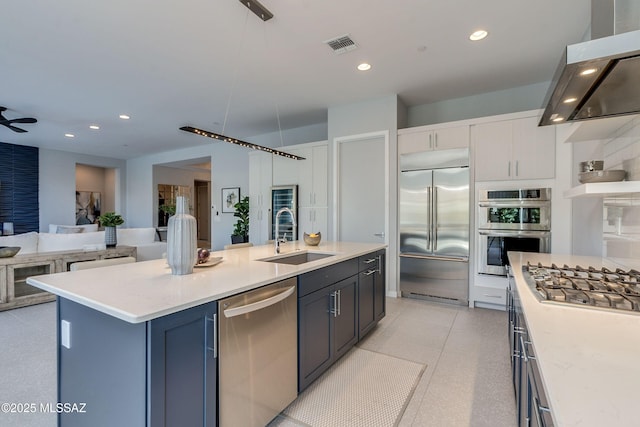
(261,12)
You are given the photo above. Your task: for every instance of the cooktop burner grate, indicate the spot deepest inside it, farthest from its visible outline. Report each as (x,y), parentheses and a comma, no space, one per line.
(590,287)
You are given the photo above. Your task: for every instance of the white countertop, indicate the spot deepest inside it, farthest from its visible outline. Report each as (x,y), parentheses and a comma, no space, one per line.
(589,358)
(146,290)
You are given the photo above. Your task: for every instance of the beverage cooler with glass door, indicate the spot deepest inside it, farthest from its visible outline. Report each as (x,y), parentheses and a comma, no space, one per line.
(284,196)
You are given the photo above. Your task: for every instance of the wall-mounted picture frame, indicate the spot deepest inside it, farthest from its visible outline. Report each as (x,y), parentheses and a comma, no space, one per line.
(230,196)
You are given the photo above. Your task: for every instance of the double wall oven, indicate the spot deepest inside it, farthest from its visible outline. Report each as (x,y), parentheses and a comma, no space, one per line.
(512,220)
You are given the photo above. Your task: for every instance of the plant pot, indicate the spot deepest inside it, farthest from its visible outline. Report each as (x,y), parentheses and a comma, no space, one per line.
(239,239)
(110,237)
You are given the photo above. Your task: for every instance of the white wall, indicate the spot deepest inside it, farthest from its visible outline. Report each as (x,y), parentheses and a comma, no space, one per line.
(523,98)
(301,135)
(57,184)
(621,222)
(229,168)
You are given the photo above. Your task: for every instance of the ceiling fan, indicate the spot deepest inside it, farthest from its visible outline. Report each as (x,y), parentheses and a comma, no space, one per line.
(9,123)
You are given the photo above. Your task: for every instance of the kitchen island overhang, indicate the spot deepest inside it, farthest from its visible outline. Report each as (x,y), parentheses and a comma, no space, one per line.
(147,290)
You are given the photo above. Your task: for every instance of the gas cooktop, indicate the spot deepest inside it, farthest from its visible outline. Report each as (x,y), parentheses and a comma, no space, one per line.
(587,287)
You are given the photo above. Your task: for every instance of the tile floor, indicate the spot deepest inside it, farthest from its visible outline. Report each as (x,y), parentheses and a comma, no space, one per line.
(466,381)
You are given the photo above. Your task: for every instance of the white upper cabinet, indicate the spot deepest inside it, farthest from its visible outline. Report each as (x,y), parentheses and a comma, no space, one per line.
(260,166)
(312,190)
(435,139)
(514,149)
(310,175)
(285,170)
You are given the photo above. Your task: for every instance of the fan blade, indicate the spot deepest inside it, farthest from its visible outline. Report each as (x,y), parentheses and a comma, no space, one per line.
(22,120)
(16,129)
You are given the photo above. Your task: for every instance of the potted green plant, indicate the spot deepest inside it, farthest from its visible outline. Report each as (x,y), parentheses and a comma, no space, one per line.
(241,229)
(109,221)
(167,211)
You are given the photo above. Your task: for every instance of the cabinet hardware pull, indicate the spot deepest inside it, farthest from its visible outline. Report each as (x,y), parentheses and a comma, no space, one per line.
(435,138)
(379,264)
(213,321)
(334,304)
(509,168)
(370,260)
(492,296)
(516,167)
(430,143)
(369,272)
(339,301)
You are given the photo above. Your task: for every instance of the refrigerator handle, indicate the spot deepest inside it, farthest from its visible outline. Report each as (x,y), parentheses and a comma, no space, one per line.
(435,219)
(429,216)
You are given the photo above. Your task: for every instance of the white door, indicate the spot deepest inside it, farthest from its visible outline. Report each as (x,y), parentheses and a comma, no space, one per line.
(362,189)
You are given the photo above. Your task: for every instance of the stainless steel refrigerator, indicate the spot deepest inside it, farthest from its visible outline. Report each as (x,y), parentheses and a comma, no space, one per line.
(434,225)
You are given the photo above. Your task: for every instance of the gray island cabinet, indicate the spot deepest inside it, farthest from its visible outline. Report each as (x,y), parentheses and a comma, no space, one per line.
(164,369)
(138,346)
(337,306)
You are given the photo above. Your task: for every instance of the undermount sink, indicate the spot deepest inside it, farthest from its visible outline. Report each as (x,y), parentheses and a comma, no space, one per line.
(297,258)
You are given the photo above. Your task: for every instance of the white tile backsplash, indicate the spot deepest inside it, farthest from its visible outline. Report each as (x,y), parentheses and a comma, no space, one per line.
(621,216)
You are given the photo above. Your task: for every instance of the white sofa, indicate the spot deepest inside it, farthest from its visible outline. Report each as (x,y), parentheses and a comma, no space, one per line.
(142,238)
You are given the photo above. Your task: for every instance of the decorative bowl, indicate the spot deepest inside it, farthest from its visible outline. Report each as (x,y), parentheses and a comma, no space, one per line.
(602,176)
(312,239)
(8,251)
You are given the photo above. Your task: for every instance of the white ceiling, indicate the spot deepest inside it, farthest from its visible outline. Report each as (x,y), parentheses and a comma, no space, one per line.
(170,63)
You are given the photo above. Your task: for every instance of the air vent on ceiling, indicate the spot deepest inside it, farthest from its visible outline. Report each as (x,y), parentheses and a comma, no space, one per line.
(341,44)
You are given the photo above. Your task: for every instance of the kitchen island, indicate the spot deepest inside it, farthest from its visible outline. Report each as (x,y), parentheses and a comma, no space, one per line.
(138,346)
(587,357)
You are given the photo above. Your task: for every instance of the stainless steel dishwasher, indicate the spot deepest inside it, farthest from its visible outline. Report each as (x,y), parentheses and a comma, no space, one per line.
(258,354)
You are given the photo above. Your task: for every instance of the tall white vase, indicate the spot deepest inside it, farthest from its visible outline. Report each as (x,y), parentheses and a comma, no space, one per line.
(182,252)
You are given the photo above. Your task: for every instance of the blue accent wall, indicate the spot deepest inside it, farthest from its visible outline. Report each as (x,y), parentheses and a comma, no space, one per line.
(19,187)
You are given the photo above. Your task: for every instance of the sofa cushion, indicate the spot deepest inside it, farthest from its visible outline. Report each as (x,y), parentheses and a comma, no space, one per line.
(53,228)
(64,229)
(48,242)
(135,236)
(28,242)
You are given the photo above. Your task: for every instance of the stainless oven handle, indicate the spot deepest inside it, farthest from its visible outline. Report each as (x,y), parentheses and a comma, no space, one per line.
(515,203)
(514,233)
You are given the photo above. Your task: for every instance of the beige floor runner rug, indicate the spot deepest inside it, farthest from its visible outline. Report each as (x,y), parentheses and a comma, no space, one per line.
(363,388)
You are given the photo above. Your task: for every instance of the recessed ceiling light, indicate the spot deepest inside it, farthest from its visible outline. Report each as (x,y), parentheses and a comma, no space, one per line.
(69,135)
(558,119)
(124,117)
(570,100)
(364,67)
(94,127)
(588,71)
(478,35)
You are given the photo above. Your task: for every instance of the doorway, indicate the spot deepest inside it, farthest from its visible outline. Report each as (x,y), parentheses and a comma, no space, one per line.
(202,204)
(361,183)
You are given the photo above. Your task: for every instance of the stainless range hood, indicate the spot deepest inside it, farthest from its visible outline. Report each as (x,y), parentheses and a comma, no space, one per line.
(599,78)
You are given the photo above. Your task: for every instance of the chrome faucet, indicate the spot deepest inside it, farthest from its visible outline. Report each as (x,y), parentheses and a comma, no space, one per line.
(277,236)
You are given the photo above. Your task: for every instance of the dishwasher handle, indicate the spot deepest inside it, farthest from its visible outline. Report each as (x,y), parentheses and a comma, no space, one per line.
(258,305)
